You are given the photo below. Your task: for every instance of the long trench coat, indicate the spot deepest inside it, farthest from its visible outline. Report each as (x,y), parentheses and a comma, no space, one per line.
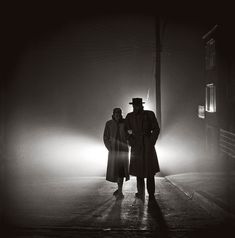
(143,131)
(118,150)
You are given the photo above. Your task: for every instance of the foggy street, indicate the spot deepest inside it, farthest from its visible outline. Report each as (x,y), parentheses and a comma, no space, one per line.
(91,95)
(85,207)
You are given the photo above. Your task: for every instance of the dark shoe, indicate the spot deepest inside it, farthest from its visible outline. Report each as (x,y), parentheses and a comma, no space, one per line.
(115,193)
(152,198)
(140,196)
(119,196)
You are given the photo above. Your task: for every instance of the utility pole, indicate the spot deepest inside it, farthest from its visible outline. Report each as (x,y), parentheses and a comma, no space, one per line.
(158,69)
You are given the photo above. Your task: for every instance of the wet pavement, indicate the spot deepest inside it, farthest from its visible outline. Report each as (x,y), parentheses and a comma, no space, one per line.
(214,191)
(85,207)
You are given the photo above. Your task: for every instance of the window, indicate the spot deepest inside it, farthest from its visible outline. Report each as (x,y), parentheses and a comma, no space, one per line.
(201,111)
(210,54)
(210,98)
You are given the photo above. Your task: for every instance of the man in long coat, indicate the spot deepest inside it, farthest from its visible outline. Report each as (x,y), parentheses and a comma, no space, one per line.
(143,130)
(115,141)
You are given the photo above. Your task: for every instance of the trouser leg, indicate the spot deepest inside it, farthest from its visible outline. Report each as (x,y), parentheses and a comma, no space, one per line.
(120,184)
(140,185)
(151,185)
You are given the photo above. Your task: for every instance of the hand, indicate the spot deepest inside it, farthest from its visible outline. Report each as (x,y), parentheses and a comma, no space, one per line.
(129,132)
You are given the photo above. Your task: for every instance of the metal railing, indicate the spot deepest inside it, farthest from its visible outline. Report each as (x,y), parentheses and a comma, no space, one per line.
(227,143)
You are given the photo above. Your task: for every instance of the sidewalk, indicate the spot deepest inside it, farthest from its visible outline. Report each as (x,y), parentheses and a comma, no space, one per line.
(213,191)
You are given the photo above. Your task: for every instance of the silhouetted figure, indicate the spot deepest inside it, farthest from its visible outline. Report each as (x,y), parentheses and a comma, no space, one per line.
(115,141)
(143,130)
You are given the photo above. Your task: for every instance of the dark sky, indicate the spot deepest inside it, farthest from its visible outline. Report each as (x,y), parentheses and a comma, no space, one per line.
(78,73)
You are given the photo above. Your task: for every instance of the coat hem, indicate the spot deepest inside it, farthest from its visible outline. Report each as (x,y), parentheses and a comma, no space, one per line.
(115,180)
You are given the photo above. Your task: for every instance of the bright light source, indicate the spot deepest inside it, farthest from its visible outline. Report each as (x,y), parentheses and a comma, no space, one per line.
(175,152)
(52,152)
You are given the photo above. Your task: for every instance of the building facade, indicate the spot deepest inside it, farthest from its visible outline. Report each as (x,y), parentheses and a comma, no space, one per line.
(218,112)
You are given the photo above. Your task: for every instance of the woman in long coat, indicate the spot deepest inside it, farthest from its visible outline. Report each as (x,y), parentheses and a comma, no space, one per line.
(115,141)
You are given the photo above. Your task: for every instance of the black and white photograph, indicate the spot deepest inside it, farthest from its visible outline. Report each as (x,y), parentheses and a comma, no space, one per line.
(117,120)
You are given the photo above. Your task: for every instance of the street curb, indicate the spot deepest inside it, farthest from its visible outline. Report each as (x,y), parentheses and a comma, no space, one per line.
(207,204)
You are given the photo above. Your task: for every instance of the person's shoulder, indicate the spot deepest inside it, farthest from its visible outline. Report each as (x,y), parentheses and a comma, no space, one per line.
(150,113)
(128,115)
(109,122)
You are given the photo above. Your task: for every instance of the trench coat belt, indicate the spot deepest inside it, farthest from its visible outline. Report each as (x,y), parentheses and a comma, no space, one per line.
(142,134)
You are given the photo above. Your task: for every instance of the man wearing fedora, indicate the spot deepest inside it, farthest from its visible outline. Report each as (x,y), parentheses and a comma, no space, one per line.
(142,133)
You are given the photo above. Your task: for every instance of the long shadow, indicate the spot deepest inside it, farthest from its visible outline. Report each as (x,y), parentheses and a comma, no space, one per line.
(113,218)
(156,214)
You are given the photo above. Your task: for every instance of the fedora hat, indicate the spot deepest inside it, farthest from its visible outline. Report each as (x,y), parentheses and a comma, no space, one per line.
(137,101)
